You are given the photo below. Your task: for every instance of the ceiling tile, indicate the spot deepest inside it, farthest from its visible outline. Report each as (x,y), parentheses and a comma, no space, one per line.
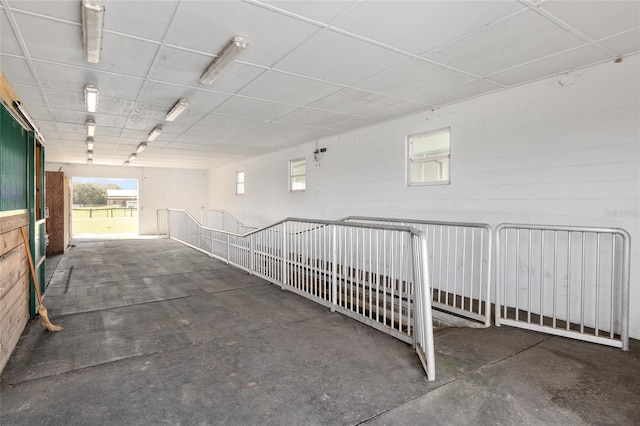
(67,10)
(254,108)
(17,71)
(120,54)
(422,25)
(458,93)
(556,64)
(624,44)
(31,96)
(148,121)
(139,18)
(281,87)
(183,67)
(596,19)
(8,41)
(338,58)
(514,41)
(75,101)
(208,27)
(74,79)
(321,11)
(229,124)
(168,94)
(67,116)
(411,79)
(354,102)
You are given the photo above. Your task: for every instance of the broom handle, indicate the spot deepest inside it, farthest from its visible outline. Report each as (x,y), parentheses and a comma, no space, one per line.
(33,269)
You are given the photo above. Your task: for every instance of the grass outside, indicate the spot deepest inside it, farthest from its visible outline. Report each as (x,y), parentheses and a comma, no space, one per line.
(124,221)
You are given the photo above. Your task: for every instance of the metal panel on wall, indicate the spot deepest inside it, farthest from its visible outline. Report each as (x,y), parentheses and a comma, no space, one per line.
(13,162)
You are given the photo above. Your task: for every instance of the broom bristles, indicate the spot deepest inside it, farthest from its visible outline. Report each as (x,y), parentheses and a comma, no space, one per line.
(44,320)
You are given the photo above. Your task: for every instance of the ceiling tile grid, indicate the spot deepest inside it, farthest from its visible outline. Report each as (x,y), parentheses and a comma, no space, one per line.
(312,68)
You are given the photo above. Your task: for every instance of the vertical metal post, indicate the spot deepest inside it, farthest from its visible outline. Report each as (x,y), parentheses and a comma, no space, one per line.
(626,262)
(284,275)
(334,268)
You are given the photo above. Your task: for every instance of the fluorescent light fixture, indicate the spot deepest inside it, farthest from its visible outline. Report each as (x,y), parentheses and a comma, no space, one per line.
(90,153)
(141,147)
(91,128)
(133,156)
(224,59)
(89,160)
(91,97)
(177,109)
(90,144)
(92,24)
(126,163)
(154,134)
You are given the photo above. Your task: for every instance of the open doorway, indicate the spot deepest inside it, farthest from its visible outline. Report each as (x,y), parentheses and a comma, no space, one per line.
(104,206)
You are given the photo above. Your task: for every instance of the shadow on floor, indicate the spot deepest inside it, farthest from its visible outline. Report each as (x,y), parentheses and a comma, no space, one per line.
(158,333)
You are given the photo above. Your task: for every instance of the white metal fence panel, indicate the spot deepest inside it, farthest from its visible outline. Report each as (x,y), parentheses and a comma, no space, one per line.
(371,272)
(460,255)
(568,281)
(223,221)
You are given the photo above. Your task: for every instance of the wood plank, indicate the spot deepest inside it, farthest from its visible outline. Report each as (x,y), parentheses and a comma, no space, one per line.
(9,223)
(13,265)
(12,326)
(13,296)
(9,95)
(10,240)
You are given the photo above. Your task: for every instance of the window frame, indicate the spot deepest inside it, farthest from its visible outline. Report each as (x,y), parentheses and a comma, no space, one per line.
(292,175)
(238,183)
(429,158)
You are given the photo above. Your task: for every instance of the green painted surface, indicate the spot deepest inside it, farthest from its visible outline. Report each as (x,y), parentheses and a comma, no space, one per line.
(14,151)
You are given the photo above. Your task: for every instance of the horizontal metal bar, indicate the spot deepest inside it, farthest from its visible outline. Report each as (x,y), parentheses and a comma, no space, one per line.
(562,332)
(619,231)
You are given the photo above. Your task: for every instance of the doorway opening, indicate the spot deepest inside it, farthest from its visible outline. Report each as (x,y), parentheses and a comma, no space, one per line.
(104,206)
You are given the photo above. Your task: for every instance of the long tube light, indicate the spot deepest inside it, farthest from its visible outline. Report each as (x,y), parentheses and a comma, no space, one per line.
(91,97)
(224,59)
(90,144)
(177,109)
(141,147)
(91,128)
(89,160)
(90,154)
(92,24)
(133,156)
(154,134)
(126,163)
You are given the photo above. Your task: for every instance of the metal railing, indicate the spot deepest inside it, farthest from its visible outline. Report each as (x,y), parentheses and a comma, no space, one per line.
(373,273)
(460,255)
(221,220)
(567,281)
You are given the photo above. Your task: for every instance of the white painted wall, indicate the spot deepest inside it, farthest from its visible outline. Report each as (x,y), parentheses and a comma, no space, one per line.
(562,151)
(157,188)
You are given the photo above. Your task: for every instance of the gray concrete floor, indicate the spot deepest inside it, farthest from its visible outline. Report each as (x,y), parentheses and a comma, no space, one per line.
(156,333)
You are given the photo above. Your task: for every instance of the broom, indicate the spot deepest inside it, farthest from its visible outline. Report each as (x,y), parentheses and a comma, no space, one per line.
(44,316)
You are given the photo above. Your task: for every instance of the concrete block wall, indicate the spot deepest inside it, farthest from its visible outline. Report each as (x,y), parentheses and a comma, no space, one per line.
(561,151)
(157,188)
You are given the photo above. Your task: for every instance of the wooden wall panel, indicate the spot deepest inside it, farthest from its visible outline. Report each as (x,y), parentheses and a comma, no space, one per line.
(56,200)
(14,284)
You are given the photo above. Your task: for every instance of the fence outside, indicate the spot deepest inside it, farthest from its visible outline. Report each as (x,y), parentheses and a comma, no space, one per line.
(460,255)
(104,212)
(373,273)
(568,281)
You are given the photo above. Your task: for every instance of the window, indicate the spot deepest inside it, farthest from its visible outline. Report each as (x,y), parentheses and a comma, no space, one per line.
(428,158)
(239,183)
(297,175)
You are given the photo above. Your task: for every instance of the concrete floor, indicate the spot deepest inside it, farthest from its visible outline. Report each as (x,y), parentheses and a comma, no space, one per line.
(156,333)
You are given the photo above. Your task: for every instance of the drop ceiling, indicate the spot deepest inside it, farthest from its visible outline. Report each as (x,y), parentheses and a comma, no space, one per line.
(313,69)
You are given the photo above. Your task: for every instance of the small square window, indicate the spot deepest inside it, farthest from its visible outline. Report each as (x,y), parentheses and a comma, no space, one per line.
(239,183)
(428,158)
(297,175)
